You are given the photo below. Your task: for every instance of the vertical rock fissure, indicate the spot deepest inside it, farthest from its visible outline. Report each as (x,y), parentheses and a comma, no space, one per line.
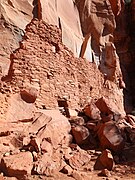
(37,9)
(124,42)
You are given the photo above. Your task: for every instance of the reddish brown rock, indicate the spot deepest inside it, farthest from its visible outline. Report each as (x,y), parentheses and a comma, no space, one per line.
(77,120)
(29,95)
(48,129)
(67,170)
(106,117)
(110,137)
(79,159)
(130,119)
(39,121)
(80,133)
(92,111)
(104,161)
(17,165)
(106,106)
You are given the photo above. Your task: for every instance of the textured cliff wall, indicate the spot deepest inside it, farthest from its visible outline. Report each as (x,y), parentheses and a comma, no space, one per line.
(124,42)
(53,105)
(95,29)
(15,15)
(51,71)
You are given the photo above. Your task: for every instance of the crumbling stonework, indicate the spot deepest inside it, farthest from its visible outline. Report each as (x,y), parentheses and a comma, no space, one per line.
(50,69)
(65,115)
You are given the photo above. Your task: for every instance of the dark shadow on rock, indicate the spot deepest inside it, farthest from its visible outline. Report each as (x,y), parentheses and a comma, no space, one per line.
(35,9)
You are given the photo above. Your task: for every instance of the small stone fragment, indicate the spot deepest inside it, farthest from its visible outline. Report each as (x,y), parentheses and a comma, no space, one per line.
(104,173)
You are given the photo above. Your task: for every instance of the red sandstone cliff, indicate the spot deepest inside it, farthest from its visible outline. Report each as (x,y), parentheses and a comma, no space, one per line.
(97,25)
(73,56)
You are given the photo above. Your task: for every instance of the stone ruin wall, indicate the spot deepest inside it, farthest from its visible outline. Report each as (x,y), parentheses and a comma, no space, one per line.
(44,63)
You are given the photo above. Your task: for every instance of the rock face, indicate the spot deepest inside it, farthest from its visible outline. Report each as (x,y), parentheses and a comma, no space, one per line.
(98,24)
(54,73)
(104,161)
(16,165)
(97,45)
(103,51)
(17,104)
(16,15)
(110,137)
(124,42)
(47,80)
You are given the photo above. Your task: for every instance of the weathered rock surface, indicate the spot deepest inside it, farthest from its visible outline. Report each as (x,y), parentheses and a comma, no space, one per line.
(92,111)
(110,137)
(79,159)
(106,107)
(14,16)
(79,81)
(43,73)
(54,12)
(104,161)
(17,104)
(57,130)
(16,165)
(80,134)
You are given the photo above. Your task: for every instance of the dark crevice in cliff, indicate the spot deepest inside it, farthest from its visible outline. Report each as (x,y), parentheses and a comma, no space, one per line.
(131,22)
(124,42)
(37,10)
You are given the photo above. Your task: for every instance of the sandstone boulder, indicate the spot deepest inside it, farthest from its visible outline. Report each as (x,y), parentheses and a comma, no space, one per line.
(104,161)
(92,111)
(29,95)
(79,159)
(80,133)
(110,137)
(17,165)
(56,130)
(40,120)
(46,147)
(48,165)
(77,120)
(106,106)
